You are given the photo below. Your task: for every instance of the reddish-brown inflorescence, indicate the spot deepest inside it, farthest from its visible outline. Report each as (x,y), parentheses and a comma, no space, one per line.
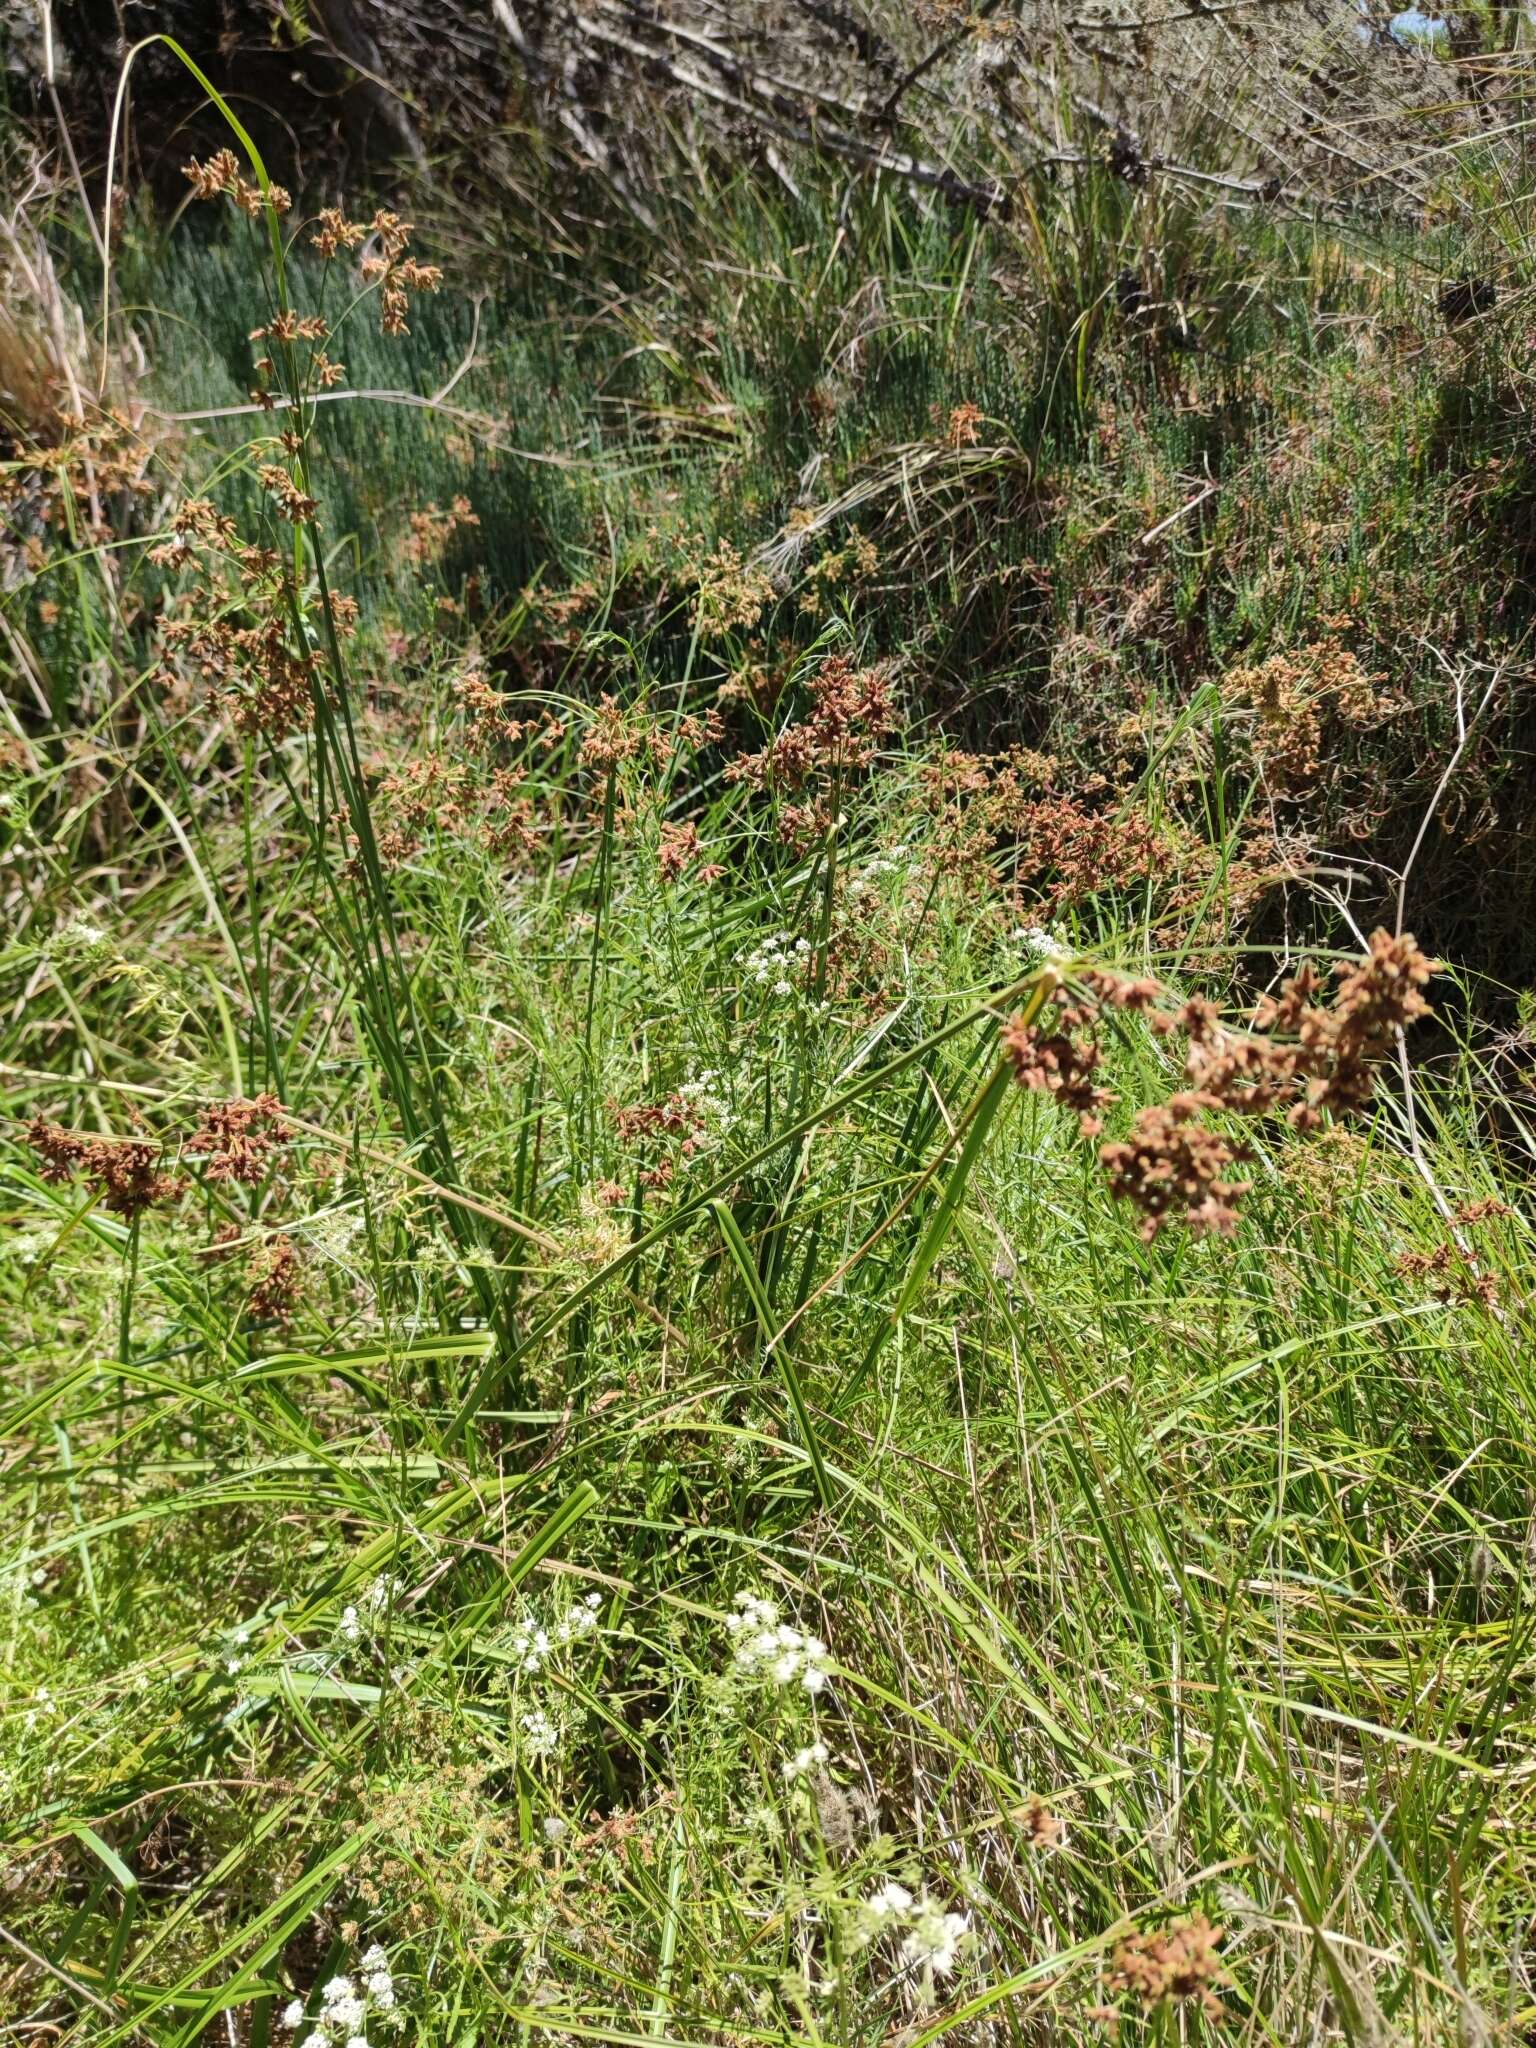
(1302,1057)
(1041,1828)
(1052,1063)
(127,1171)
(274,1275)
(432,529)
(851,709)
(673,1117)
(1173,1165)
(267,685)
(1171,1965)
(237,1139)
(960,427)
(220,177)
(1073,852)
(680,850)
(675,1122)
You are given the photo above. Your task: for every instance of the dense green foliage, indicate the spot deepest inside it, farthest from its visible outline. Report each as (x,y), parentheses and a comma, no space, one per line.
(647,1222)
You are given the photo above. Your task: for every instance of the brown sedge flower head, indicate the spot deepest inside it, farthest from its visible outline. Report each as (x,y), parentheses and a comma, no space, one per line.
(850,711)
(510,821)
(1175,1165)
(675,1123)
(1172,1965)
(274,1276)
(63,473)
(680,850)
(1451,1274)
(431,789)
(396,274)
(673,1117)
(1041,1828)
(1052,1063)
(126,1171)
(293,503)
(619,733)
(1291,697)
(1302,1058)
(1077,852)
(729,593)
(235,635)
(333,232)
(221,177)
(1063,1063)
(237,1139)
(960,427)
(432,529)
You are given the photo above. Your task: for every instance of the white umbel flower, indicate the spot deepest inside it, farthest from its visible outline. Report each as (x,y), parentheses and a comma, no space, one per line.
(804,1760)
(934,1938)
(540,1735)
(767,1648)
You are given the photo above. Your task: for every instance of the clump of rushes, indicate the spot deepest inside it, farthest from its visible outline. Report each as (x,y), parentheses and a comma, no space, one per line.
(377,1513)
(1301,1058)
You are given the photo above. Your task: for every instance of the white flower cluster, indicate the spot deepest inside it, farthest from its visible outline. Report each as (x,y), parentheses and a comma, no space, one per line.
(333,1235)
(355,1624)
(702,1095)
(897,862)
(80,934)
(1040,942)
(347,2004)
(804,1761)
(774,960)
(17,1585)
(26,1247)
(767,1648)
(234,1653)
(541,1738)
(532,1644)
(931,1938)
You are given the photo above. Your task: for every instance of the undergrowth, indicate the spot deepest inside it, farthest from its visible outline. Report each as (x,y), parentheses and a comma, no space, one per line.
(583,1461)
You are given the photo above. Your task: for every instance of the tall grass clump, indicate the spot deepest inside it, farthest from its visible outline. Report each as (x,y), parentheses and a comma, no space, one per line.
(700,1342)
